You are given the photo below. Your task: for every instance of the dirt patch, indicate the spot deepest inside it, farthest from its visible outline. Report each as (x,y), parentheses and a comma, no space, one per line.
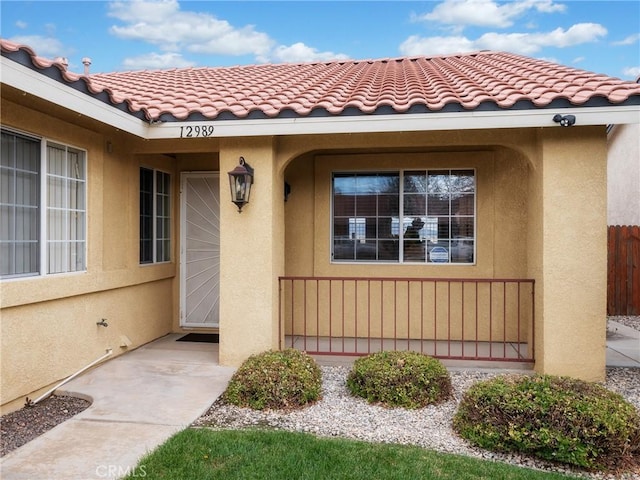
(22,426)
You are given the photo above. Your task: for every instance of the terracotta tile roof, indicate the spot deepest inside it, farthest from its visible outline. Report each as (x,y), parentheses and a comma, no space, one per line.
(38,62)
(465,82)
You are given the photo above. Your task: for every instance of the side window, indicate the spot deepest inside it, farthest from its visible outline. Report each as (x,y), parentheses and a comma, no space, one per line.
(42,224)
(66,211)
(19,205)
(155,216)
(422,216)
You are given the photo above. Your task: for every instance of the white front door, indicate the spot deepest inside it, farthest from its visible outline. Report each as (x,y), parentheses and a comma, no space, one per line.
(200,249)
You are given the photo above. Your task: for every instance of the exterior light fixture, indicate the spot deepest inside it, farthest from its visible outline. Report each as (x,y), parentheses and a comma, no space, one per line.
(240,181)
(564,120)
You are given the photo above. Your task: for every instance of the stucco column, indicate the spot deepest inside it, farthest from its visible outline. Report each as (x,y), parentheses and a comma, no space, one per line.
(568,251)
(251,253)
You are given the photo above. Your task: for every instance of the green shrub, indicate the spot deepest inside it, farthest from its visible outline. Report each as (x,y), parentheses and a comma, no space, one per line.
(554,418)
(400,379)
(285,379)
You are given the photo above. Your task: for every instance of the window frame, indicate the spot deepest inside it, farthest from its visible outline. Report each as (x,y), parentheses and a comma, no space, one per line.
(44,206)
(155,218)
(402,217)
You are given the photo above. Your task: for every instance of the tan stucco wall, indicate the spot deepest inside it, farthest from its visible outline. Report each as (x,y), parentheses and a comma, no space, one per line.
(541,214)
(568,252)
(623,175)
(251,252)
(501,178)
(505,197)
(46,341)
(49,323)
(550,226)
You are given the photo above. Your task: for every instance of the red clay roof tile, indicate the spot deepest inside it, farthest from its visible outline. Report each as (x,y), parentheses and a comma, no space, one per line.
(495,80)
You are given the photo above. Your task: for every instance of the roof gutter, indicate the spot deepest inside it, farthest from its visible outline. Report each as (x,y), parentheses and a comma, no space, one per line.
(35,83)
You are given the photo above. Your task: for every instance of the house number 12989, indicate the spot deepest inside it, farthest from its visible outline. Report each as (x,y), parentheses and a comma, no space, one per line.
(196,131)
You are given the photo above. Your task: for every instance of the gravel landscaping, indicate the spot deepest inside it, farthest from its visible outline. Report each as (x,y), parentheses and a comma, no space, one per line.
(339,414)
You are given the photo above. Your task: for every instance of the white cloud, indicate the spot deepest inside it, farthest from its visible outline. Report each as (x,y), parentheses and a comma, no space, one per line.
(416,45)
(548,6)
(137,10)
(230,41)
(486,13)
(577,60)
(632,72)
(47,47)
(299,53)
(21,25)
(575,35)
(523,43)
(156,61)
(165,25)
(550,59)
(171,29)
(630,40)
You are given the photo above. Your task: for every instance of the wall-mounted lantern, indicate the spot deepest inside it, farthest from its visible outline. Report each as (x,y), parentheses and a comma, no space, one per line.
(240,181)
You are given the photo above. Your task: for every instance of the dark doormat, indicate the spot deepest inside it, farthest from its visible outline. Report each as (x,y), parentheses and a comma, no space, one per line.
(200,337)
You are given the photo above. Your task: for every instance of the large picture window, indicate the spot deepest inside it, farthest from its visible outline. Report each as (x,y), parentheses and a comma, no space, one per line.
(42,223)
(155,216)
(410,216)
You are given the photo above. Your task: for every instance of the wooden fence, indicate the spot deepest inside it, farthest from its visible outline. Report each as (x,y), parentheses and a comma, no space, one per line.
(623,270)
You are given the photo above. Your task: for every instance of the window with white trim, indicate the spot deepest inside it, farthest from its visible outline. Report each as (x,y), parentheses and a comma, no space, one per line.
(155,216)
(409,216)
(42,207)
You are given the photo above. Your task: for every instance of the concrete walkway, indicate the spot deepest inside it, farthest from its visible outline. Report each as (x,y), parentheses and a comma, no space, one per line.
(142,398)
(623,346)
(139,400)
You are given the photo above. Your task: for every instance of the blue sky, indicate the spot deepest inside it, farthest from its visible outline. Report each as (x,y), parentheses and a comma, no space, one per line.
(601,36)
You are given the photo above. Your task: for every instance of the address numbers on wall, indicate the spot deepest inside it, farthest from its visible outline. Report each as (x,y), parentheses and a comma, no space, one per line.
(196,131)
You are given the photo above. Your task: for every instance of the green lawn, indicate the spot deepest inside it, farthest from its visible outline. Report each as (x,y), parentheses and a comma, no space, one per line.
(203,454)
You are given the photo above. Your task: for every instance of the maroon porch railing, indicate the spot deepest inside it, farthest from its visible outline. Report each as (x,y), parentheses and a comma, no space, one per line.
(448,318)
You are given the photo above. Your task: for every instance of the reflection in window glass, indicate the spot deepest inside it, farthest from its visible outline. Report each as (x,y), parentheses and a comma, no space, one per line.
(424,216)
(364,208)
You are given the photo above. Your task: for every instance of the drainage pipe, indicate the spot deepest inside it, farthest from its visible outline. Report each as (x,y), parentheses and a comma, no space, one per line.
(31,403)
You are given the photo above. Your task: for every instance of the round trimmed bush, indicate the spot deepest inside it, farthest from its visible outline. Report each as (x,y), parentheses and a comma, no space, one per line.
(555,418)
(400,379)
(286,379)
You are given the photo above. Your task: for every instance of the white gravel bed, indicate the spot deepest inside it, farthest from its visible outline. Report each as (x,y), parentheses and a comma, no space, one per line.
(339,414)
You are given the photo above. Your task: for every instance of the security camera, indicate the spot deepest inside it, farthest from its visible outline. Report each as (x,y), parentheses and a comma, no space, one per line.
(564,120)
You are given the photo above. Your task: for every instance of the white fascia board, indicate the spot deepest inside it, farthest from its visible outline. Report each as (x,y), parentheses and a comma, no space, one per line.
(41,86)
(472,120)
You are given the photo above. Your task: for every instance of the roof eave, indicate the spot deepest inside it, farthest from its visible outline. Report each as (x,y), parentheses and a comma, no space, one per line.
(35,83)
(41,86)
(472,120)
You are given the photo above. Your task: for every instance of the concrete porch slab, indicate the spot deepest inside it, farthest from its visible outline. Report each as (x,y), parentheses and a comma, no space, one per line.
(139,399)
(623,346)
